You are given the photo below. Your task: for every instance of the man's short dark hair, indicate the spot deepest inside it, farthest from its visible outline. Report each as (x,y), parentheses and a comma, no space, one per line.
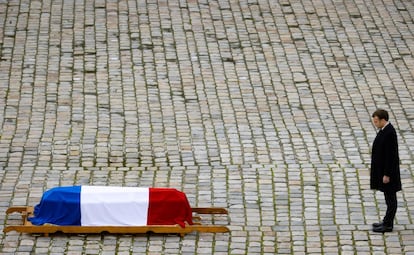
(381,114)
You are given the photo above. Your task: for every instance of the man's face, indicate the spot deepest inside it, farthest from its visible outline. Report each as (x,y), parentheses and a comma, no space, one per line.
(379,123)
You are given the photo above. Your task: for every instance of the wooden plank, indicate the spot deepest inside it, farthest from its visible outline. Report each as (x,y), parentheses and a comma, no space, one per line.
(161,229)
(209,210)
(19,209)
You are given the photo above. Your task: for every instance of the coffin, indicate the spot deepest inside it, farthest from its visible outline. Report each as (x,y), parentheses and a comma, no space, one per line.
(112,206)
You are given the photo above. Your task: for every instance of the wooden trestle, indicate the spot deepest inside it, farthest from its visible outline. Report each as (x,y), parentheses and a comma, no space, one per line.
(46,229)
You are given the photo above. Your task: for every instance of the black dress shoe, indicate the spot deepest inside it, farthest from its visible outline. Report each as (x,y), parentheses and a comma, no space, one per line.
(376,225)
(382,229)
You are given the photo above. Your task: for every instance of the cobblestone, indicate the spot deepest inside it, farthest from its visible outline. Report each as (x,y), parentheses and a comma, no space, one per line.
(262,107)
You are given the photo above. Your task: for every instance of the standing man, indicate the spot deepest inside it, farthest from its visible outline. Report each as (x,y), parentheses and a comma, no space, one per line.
(385,168)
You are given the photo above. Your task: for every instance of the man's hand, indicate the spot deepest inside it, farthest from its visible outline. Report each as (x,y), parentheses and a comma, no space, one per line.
(385,179)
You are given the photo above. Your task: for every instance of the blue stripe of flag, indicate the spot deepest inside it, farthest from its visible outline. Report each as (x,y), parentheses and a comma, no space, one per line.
(59,206)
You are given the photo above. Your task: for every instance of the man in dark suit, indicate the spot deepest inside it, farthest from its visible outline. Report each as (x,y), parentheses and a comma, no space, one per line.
(385,168)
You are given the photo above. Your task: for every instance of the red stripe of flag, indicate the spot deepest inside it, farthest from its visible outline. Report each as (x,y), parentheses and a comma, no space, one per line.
(168,206)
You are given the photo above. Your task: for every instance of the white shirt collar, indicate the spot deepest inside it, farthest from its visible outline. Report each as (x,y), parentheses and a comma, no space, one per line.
(386,124)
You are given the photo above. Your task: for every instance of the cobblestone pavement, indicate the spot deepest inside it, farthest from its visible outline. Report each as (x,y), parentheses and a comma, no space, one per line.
(259,106)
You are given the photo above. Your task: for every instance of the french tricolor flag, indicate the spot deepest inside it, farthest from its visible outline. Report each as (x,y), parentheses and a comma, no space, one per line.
(112,206)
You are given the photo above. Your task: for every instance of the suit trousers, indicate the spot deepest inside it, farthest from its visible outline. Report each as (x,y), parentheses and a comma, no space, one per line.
(392,204)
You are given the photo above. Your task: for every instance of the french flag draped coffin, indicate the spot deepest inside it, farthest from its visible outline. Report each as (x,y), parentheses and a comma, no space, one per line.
(112,206)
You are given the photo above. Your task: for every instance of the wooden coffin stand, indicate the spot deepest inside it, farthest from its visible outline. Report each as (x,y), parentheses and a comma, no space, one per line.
(46,229)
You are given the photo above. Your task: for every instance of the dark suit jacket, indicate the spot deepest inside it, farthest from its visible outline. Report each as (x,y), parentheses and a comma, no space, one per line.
(385,161)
